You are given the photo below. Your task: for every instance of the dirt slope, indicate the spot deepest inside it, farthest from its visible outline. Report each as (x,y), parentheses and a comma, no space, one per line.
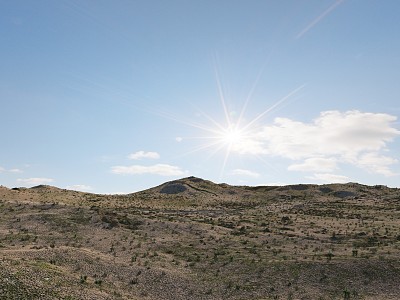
(193,239)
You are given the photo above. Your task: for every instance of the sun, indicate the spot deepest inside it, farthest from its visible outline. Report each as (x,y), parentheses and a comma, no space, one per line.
(231,132)
(232,136)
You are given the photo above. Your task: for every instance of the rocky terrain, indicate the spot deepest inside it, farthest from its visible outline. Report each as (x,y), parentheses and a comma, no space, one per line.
(193,239)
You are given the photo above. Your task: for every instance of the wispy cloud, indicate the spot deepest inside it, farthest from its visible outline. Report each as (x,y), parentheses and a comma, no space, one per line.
(242,172)
(35,180)
(79,187)
(315,164)
(376,163)
(158,169)
(14,170)
(329,178)
(275,184)
(120,193)
(143,154)
(319,18)
(351,137)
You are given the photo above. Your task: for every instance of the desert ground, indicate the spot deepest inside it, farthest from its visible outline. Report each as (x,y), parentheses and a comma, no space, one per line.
(194,239)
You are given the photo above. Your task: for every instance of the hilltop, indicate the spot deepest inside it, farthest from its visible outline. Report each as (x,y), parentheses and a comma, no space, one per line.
(194,239)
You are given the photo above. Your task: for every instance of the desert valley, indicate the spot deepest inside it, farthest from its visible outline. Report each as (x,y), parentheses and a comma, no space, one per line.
(194,239)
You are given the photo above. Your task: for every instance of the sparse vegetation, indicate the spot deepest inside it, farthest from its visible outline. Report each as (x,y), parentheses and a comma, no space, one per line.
(192,239)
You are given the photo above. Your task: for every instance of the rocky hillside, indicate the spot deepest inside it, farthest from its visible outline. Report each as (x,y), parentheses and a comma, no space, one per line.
(193,239)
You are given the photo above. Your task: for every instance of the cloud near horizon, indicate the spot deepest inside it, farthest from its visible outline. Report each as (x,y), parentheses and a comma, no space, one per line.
(315,164)
(329,178)
(14,170)
(243,172)
(158,169)
(35,180)
(334,137)
(142,154)
(79,187)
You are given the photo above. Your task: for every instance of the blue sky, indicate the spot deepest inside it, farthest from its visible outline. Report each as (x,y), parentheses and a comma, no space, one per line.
(119,96)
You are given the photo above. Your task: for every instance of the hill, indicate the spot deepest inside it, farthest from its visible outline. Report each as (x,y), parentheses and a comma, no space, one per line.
(194,239)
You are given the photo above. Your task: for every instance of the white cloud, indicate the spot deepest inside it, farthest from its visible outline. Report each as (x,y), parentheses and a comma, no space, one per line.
(11,170)
(376,163)
(351,137)
(274,184)
(143,154)
(35,181)
(332,133)
(329,178)
(179,139)
(120,193)
(158,169)
(251,144)
(79,187)
(315,164)
(243,172)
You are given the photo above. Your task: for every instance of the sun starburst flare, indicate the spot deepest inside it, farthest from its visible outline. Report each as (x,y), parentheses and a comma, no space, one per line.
(232,134)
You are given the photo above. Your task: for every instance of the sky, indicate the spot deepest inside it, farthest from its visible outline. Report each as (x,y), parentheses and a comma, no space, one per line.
(120,96)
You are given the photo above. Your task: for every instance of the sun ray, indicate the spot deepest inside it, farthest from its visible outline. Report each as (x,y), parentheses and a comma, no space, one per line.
(235,135)
(253,88)
(227,154)
(222,97)
(209,118)
(189,123)
(216,150)
(231,137)
(216,145)
(277,103)
(319,18)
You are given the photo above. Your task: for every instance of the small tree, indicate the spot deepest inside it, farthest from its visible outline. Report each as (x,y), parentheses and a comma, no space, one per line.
(329,256)
(83,279)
